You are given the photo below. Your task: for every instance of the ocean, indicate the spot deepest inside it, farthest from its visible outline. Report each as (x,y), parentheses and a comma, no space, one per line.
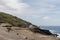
(52,29)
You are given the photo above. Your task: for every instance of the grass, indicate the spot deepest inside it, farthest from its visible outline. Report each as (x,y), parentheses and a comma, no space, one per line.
(15,21)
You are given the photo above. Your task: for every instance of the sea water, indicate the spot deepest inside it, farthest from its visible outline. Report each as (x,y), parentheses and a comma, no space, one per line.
(52,29)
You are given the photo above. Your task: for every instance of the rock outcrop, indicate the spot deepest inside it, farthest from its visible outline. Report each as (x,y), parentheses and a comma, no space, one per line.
(39,30)
(23,35)
(17,22)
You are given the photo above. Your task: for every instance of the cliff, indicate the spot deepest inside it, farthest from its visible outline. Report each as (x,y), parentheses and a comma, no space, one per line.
(18,22)
(21,29)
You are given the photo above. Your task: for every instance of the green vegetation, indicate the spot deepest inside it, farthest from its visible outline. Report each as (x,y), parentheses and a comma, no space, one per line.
(15,21)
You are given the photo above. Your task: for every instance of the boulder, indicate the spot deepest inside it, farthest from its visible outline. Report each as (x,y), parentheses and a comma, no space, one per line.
(39,30)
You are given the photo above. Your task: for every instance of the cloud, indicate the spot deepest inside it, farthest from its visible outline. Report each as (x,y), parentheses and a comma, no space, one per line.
(13,6)
(20,7)
(35,16)
(37,10)
(41,7)
(46,17)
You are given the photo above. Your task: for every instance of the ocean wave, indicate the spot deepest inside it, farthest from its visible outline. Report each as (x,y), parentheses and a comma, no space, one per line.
(58,35)
(54,32)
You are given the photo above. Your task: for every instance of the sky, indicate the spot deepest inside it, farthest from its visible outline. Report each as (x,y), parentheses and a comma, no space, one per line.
(38,12)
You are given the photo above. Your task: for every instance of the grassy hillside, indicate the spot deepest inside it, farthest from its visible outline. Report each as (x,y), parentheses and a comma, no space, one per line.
(15,21)
(7,18)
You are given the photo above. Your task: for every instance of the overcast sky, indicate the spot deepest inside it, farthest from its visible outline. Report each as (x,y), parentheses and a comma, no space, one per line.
(39,12)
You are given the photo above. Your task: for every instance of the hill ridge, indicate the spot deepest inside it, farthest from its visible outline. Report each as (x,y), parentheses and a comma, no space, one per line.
(15,21)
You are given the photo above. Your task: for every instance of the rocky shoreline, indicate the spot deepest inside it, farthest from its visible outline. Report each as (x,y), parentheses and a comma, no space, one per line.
(30,33)
(14,28)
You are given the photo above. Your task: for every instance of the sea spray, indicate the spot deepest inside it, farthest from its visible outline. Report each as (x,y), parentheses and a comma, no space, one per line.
(58,35)
(53,31)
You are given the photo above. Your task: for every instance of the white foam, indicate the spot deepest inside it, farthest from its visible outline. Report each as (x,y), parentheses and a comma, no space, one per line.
(52,31)
(58,35)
